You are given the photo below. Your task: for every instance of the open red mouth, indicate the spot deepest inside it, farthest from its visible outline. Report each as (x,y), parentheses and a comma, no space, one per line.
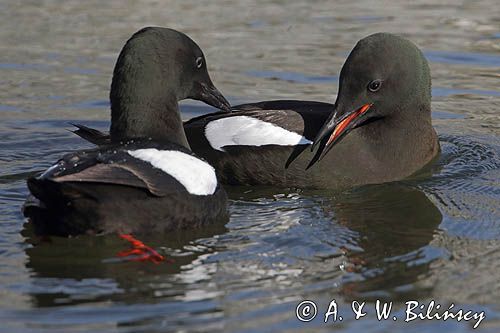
(340,128)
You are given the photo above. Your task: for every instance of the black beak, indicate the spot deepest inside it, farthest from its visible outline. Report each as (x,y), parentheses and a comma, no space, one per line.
(209,94)
(334,129)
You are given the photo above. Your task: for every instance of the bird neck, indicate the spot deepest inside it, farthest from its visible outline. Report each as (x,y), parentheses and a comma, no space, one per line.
(405,137)
(143,109)
(144,94)
(158,121)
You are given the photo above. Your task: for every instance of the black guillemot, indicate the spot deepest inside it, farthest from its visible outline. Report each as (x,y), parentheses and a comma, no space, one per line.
(145,180)
(378,130)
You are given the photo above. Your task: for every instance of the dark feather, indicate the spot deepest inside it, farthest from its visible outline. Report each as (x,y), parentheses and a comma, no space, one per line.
(107,190)
(92,135)
(113,165)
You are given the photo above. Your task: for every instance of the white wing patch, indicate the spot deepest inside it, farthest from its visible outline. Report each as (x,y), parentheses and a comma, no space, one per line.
(197,176)
(249,131)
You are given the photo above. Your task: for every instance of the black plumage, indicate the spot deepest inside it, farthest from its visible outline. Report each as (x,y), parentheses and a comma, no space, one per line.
(379,129)
(108,189)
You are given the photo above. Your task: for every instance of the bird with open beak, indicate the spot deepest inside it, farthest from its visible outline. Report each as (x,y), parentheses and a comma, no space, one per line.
(385,93)
(378,130)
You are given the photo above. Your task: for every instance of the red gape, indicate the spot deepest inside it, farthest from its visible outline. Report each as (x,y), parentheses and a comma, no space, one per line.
(339,129)
(140,251)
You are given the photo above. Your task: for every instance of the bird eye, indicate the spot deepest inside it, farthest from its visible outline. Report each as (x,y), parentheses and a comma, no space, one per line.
(199,62)
(374,85)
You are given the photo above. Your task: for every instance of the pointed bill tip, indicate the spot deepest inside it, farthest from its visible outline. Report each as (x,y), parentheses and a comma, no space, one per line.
(334,130)
(209,94)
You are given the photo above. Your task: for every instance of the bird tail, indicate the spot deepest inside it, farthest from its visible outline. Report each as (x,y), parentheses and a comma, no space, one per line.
(50,207)
(91,135)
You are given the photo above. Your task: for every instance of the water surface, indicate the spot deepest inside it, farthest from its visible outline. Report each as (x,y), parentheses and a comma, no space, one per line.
(433,237)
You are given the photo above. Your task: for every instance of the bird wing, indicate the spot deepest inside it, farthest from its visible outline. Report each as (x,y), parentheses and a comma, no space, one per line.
(114,167)
(301,117)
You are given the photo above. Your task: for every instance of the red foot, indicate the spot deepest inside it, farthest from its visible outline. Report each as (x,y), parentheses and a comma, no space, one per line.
(140,251)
